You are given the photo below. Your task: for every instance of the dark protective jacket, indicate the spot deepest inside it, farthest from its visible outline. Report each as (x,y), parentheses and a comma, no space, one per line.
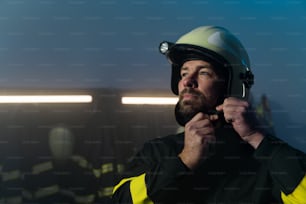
(234,173)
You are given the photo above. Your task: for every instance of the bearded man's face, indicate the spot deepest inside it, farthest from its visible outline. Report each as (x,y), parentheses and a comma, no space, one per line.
(199,90)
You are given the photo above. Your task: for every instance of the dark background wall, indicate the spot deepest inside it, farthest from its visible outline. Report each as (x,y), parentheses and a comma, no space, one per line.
(102,136)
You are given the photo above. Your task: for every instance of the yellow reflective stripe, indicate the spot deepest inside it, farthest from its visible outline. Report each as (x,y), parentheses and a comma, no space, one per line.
(297,196)
(81,161)
(42,167)
(11,175)
(107,191)
(46,191)
(96,173)
(123,181)
(139,191)
(85,199)
(106,168)
(120,168)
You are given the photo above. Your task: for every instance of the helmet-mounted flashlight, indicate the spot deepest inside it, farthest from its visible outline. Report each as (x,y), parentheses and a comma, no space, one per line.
(165,46)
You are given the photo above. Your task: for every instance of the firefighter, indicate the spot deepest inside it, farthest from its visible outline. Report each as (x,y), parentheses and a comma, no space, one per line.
(223,155)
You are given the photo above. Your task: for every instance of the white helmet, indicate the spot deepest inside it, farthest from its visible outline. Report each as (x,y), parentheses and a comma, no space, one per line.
(213,44)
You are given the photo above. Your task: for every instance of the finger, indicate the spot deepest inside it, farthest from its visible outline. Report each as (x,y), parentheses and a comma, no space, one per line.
(229,116)
(213,117)
(205,131)
(233,111)
(199,116)
(229,120)
(219,108)
(205,123)
(235,101)
(231,102)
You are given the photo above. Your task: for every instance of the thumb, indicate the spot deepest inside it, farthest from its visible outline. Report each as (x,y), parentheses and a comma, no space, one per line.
(219,107)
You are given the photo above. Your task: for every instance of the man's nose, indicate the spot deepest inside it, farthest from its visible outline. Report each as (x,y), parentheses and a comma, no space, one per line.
(190,82)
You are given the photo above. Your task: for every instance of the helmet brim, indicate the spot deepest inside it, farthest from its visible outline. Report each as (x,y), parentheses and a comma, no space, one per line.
(178,54)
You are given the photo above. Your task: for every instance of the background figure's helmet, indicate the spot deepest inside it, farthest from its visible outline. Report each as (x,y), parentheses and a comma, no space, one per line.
(215,45)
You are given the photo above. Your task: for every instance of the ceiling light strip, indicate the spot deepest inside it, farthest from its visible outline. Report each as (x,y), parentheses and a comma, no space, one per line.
(149,100)
(46,99)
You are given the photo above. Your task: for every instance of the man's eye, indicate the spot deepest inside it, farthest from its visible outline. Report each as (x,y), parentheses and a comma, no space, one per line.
(183,74)
(205,73)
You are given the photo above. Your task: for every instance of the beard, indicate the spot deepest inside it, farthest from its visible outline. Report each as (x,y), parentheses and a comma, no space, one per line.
(185,110)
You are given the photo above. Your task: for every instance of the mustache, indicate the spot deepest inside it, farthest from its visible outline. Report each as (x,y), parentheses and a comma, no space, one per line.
(190,91)
(205,109)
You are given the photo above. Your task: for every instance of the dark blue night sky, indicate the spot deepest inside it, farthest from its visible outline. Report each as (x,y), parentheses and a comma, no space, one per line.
(108,43)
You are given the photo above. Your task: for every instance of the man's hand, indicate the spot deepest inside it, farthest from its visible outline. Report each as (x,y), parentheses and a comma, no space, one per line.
(199,134)
(238,113)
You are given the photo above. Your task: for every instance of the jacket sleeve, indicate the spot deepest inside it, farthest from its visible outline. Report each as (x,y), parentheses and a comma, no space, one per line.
(287,167)
(151,177)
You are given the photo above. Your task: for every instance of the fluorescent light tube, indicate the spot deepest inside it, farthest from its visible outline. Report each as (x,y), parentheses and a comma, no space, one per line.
(150,100)
(46,99)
